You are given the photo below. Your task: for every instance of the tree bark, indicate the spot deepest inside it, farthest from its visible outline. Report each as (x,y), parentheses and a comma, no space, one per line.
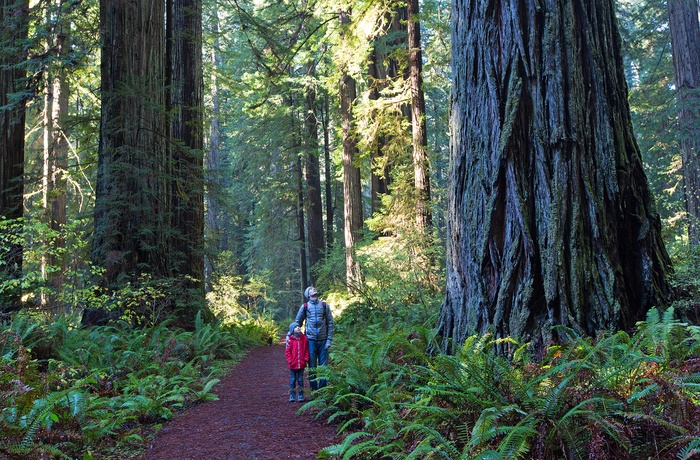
(187,125)
(314,220)
(57,92)
(214,164)
(684,29)
(327,173)
(421,168)
(379,178)
(303,267)
(14,20)
(551,221)
(352,187)
(132,203)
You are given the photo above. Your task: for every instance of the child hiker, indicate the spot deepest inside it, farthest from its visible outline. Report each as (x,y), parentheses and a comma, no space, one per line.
(297,353)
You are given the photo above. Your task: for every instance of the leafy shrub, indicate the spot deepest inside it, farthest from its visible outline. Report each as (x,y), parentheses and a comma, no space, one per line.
(619,396)
(97,389)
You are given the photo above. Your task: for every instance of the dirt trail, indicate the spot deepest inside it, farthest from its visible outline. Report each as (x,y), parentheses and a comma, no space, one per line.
(252,420)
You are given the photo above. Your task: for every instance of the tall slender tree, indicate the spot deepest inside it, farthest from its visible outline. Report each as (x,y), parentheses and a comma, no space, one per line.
(327,173)
(685,44)
(56,99)
(314,204)
(352,188)
(303,265)
(421,168)
(187,146)
(551,221)
(14,21)
(213,160)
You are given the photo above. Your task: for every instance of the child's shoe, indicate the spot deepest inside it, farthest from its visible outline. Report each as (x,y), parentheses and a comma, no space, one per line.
(300,398)
(292,395)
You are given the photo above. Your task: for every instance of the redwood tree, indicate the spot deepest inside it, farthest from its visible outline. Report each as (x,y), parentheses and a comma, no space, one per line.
(187,125)
(13,32)
(314,204)
(550,216)
(352,188)
(132,191)
(421,169)
(685,44)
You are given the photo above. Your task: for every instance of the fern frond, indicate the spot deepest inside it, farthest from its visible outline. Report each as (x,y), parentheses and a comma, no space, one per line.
(338,449)
(487,427)
(516,443)
(431,436)
(692,450)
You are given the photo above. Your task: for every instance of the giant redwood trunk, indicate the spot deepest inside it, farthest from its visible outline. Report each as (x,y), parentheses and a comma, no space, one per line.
(684,29)
(13,32)
(551,220)
(133,187)
(187,125)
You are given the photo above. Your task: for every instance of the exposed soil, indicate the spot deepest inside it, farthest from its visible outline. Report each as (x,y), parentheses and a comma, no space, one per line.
(252,420)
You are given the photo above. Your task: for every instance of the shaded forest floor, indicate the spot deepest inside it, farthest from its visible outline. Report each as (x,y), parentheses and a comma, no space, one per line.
(252,420)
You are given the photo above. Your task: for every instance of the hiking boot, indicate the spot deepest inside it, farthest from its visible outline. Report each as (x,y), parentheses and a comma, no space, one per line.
(300,398)
(292,395)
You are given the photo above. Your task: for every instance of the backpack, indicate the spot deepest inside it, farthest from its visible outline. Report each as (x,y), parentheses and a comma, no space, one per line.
(325,307)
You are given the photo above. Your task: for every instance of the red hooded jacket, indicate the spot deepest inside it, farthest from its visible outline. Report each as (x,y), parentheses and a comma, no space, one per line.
(297,351)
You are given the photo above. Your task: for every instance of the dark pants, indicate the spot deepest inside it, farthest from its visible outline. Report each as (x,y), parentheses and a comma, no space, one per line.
(319,357)
(296,377)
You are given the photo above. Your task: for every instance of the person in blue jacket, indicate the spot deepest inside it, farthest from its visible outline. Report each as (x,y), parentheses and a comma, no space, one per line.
(319,331)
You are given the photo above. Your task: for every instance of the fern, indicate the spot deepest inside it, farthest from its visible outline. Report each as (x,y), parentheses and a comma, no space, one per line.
(339,449)
(433,442)
(691,450)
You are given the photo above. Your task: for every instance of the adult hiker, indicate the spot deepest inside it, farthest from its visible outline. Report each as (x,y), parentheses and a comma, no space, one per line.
(319,331)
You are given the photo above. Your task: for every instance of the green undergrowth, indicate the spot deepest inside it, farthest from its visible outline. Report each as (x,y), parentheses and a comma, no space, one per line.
(98,392)
(617,396)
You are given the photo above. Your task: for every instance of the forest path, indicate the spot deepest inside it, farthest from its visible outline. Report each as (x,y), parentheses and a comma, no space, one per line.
(252,420)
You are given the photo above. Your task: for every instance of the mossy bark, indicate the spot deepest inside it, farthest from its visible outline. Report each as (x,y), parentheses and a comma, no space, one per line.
(551,221)
(14,17)
(132,205)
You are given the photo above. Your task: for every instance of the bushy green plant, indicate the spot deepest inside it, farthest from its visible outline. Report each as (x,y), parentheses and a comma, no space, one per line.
(618,396)
(94,388)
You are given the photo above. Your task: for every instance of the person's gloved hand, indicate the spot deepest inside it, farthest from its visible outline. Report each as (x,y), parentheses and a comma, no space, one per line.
(328,344)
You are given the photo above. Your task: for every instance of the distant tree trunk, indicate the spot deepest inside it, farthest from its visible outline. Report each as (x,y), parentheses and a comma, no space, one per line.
(379,179)
(352,187)
(14,20)
(57,92)
(213,162)
(313,177)
(550,216)
(304,271)
(133,184)
(187,131)
(685,44)
(421,168)
(328,175)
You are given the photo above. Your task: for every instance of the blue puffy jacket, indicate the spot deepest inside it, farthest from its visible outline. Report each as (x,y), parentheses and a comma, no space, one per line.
(319,320)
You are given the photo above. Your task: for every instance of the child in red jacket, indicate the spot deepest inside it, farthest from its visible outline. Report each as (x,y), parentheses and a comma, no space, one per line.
(297,353)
